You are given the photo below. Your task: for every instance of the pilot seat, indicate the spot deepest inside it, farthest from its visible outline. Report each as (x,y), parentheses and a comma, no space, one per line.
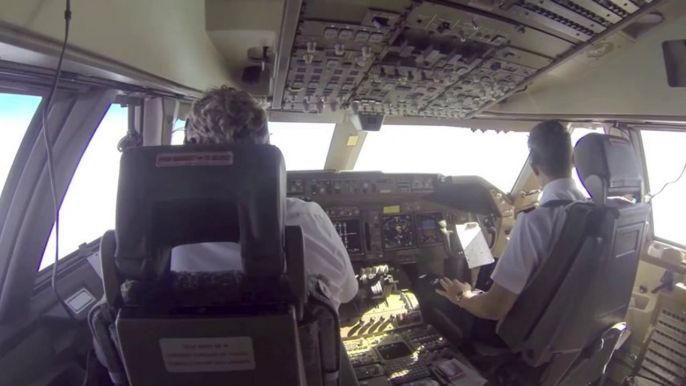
(266,325)
(569,320)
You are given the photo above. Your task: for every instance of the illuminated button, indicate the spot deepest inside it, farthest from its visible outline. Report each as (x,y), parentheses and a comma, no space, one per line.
(332,63)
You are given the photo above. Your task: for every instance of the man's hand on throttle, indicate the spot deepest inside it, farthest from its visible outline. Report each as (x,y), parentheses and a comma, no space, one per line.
(453,289)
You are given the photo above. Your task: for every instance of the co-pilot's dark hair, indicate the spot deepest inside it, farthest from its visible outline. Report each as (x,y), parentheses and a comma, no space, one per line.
(550,147)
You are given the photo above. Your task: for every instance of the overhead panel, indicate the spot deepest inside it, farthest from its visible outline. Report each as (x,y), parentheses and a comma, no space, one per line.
(441,59)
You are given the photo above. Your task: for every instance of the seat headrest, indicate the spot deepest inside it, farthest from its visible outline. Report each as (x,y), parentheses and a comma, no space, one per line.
(176,195)
(608,167)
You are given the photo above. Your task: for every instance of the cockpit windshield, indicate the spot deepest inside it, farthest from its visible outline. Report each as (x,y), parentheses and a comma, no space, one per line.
(452,151)
(304,145)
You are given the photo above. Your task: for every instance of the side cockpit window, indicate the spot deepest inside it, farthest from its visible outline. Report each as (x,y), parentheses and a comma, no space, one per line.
(88,209)
(16,112)
(666,163)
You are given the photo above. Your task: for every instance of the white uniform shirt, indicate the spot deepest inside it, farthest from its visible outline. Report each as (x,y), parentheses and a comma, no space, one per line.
(533,236)
(325,253)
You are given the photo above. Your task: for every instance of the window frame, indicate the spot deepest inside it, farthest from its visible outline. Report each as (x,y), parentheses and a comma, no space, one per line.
(637,138)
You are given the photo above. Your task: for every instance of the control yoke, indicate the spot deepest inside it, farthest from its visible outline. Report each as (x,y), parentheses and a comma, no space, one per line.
(447,236)
(453,247)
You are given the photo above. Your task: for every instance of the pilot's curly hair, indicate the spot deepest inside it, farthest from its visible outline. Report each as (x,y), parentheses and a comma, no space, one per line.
(225,115)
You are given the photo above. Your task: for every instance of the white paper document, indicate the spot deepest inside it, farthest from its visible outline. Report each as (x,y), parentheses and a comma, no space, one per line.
(474,244)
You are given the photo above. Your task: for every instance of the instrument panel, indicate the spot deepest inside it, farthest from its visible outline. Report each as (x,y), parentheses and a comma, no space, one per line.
(351,234)
(369,234)
(384,221)
(382,217)
(441,59)
(391,345)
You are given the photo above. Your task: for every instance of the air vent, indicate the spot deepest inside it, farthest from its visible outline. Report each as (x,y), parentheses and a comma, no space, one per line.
(664,358)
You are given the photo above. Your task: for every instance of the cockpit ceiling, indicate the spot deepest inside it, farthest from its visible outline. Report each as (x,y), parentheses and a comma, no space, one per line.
(439,59)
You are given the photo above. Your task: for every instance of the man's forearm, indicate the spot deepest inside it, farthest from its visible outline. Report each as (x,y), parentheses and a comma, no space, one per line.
(479,306)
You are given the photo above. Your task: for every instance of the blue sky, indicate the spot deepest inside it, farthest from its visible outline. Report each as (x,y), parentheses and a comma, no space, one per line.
(16,112)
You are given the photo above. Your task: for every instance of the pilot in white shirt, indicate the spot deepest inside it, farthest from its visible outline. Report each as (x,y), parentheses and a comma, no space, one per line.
(534,234)
(532,238)
(228,116)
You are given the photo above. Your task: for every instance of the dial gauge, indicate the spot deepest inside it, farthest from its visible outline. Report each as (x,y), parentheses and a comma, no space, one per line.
(398,232)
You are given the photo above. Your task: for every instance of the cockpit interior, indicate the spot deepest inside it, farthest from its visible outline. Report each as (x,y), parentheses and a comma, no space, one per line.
(408,123)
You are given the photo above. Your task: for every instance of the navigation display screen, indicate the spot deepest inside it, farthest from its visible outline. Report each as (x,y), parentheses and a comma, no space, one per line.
(428,231)
(398,231)
(349,230)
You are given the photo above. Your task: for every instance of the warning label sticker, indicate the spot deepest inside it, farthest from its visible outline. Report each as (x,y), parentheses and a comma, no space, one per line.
(192,355)
(194,159)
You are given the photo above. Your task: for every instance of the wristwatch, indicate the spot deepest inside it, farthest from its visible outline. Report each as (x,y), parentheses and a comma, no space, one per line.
(473,291)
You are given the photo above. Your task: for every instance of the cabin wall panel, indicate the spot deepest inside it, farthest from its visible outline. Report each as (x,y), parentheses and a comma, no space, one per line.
(163,37)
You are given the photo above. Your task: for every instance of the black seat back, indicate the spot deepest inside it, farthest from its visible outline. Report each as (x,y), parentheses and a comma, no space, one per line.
(268,324)
(174,195)
(583,288)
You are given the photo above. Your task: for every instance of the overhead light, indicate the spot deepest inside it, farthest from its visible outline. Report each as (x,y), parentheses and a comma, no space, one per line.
(651,18)
(644,24)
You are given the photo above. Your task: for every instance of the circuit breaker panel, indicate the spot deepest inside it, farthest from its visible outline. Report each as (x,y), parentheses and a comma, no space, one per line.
(445,59)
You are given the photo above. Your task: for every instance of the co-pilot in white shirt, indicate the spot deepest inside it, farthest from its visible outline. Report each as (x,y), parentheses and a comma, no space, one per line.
(325,253)
(533,236)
